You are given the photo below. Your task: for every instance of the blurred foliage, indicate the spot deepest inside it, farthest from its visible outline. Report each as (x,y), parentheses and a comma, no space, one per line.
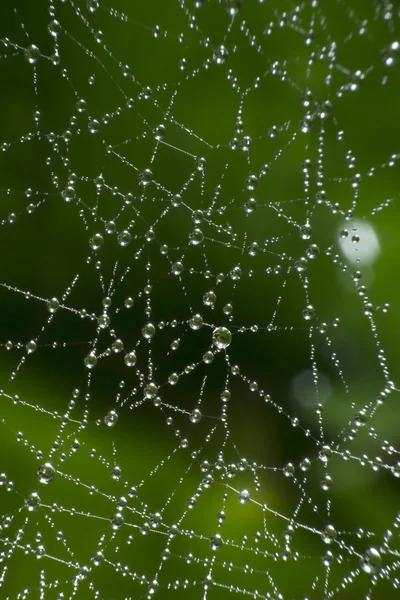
(44,251)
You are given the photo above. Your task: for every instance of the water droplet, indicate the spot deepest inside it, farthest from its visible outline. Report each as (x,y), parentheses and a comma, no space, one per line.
(209,298)
(53,305)
(326,483)
(325,110)
(130,359)
(124,238)
(216,542)
(31,347)
(111,418)
(251,183)
(54,28)
(46,473)
(33,501)
(32,54)
(233,7)
(200,163)
(148,331)
(371,562)
(208,357)
(246,143)
(173,379)
(305,464)
(391,54)
(225,396)
(104,321)
(159,132)
(300,265)
(250,206)
(244,496)
(235,273)
(329,534)
(312,251)
(289,470)
(117,346)
(150,391)
(90,360)
(92,5)
(307,99)
(308,313)
(196,322)
(195,416)
(220,55)
(177,268)
(69,194)
(359,419)
(117,521)
(96,241)
(128,303)
(196,237)
(182,64)
(145,177)
(222,337)
(305,231)
(197,216)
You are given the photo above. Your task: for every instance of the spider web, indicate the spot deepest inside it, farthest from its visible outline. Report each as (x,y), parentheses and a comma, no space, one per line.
(198,372)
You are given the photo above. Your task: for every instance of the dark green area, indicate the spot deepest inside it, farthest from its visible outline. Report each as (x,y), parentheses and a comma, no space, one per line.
(46,248)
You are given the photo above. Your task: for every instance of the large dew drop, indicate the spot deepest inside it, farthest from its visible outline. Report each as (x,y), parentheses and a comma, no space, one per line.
(46,473)
(222,337)
(244,496)
(216,542)
(233,7)
(33,501)
(111,418)
(32,54)
(371,562)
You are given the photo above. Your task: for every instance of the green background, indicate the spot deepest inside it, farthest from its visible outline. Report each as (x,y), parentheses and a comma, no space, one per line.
(44,251)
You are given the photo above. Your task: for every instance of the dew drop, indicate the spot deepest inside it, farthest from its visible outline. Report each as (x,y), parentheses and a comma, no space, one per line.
(53,305)
(124,238)
(96,241)
(159,132)
(90,361)
(244,496)
(177,268)
(33,501)
(308,313)
(117,521)
(233,7)
(391,54)
(196,237)
(196,322)
(46,473)
(195,416)
(54,28)
(371,562)
(148,331)
(145,177)
(329,534)
(130,359)
(69,194)
(209,298)
(251,183)
(216,542)
(222,337)
(111,418)
(220,55)
(32,54)
(31,347)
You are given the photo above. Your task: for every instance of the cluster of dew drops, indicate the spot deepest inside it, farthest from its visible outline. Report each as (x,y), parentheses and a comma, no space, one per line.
(371,561)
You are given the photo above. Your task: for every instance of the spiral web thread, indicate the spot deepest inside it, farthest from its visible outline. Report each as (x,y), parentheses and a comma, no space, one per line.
(173,230)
